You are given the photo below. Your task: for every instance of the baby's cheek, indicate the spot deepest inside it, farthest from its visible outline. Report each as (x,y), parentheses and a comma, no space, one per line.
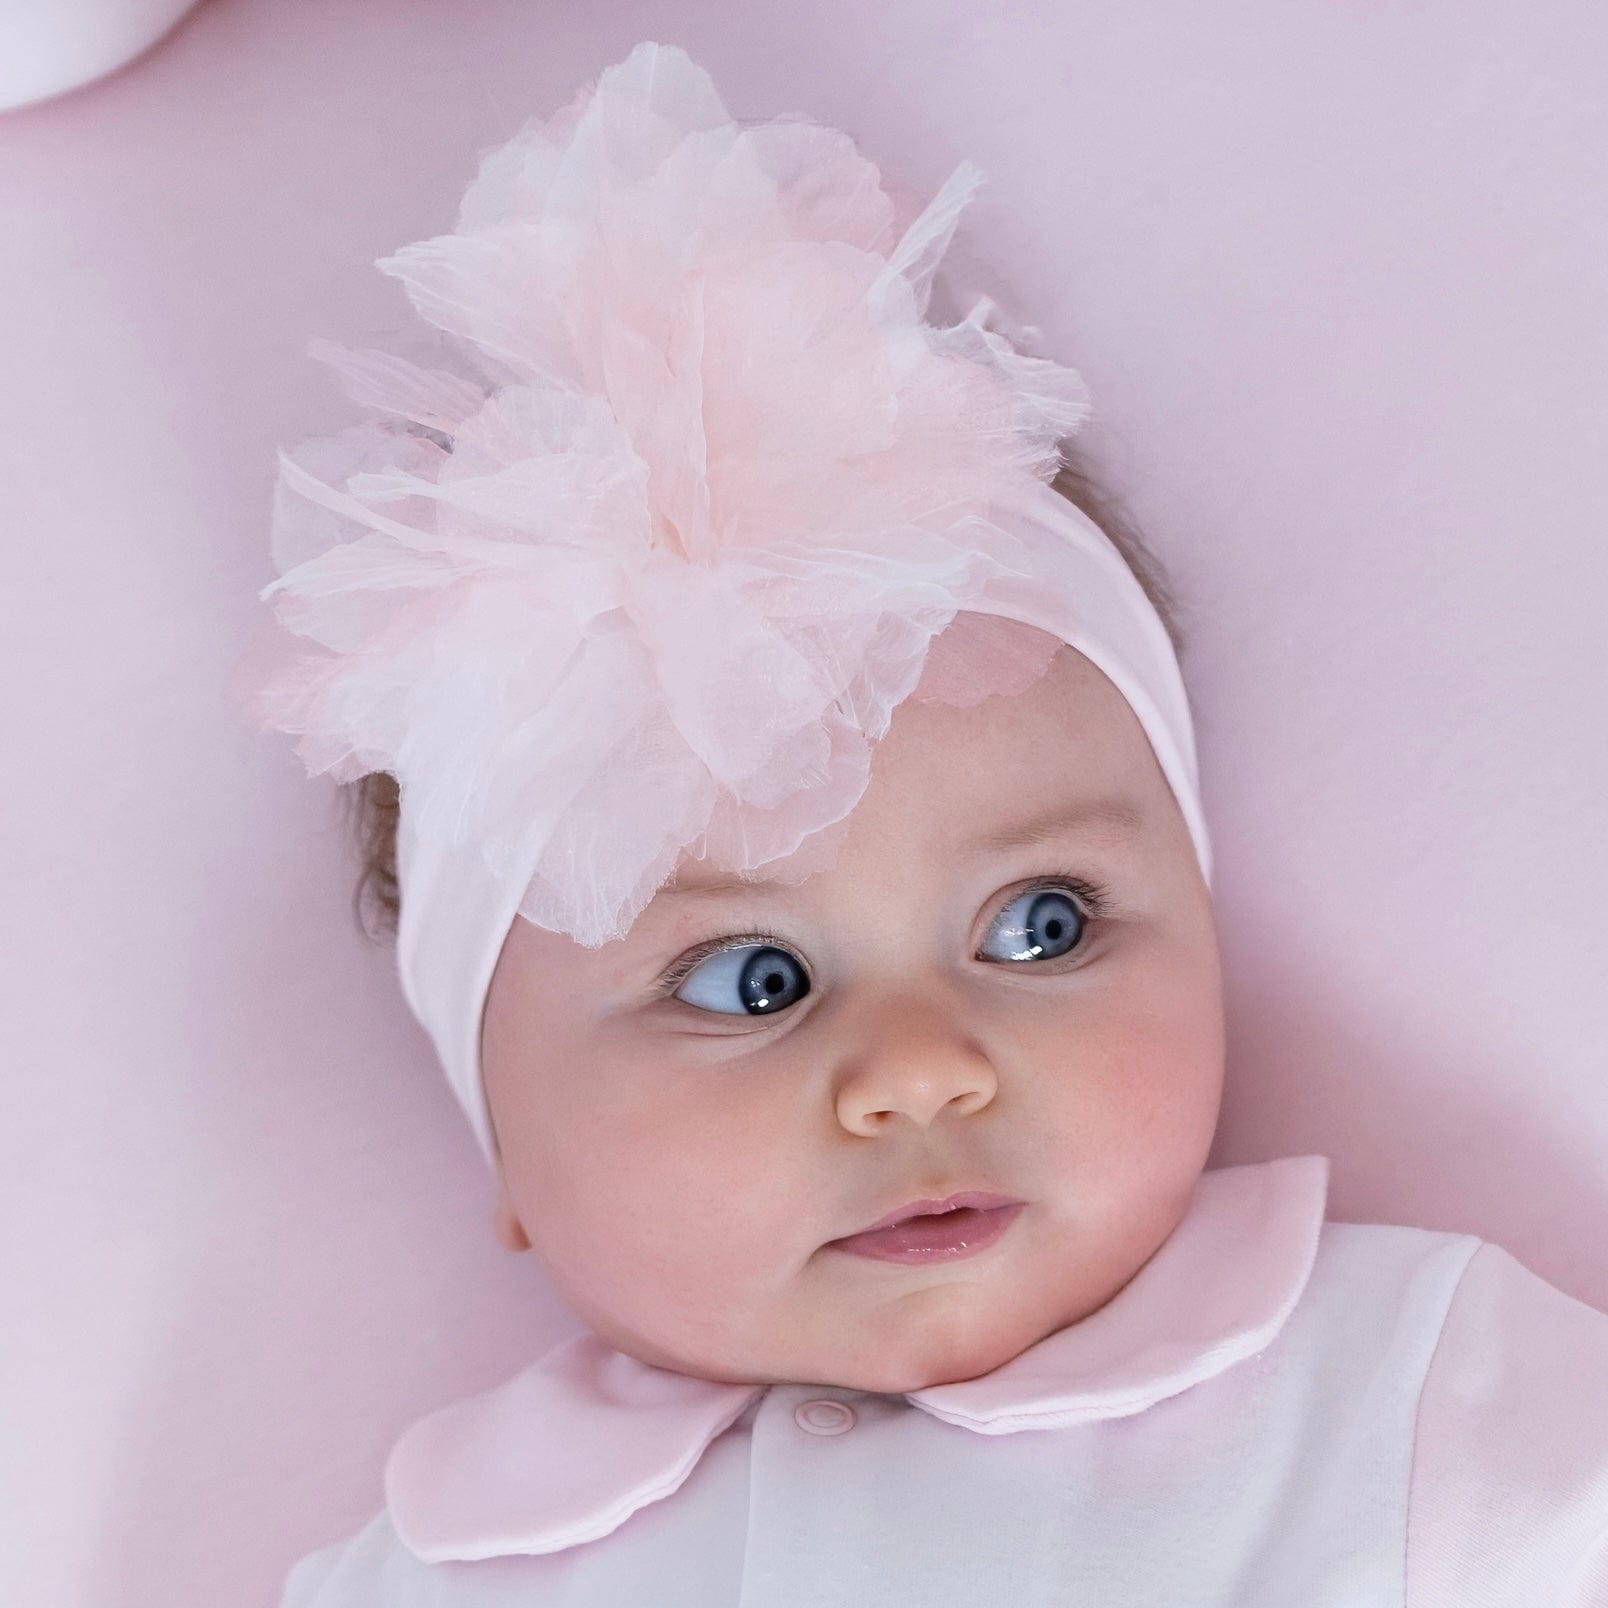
(698,1239)
(1123,1079)
(1162,1031)
(696,1184)
(1168,1102)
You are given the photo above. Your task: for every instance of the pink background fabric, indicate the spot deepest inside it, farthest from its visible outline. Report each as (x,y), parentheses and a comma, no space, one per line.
(1333,273)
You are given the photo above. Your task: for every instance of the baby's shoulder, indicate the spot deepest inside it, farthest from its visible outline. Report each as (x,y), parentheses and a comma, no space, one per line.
(1517,1356)
(1381,1285)
(1476,1286)
(1359,1245)
(1501,1379)
(1482,1319)
(1510,1463)
(374,1569)
(362,1571)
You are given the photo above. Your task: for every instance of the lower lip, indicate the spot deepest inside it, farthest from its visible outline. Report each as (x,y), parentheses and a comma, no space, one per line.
(944,1237)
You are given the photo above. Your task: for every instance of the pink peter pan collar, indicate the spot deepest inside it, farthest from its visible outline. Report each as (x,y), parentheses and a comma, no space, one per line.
(567,1450)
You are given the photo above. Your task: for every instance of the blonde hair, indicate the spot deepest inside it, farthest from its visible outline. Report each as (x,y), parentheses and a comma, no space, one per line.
(373,802)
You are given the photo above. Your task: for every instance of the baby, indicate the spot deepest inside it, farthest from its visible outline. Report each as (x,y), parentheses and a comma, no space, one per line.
(803,880)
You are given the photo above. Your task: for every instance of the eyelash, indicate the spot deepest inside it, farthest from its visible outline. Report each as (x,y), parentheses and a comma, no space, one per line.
(1096,902)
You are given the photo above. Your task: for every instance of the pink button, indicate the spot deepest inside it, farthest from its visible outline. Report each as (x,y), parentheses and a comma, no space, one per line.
(824,1416)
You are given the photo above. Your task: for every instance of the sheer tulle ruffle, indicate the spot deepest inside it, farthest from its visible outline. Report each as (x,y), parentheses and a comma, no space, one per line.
(655,579)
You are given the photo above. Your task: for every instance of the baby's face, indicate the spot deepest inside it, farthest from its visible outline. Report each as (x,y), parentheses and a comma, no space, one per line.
(682,1165)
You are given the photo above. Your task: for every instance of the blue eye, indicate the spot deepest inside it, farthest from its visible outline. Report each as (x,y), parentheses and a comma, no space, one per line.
(751,979)
(755,976)
(1041,924)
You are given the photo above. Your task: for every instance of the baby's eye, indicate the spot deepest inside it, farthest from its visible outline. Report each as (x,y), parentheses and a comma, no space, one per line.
(1041,924)
(756,979)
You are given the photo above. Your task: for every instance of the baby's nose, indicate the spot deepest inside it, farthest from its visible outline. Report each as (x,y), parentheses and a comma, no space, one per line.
(910,1058)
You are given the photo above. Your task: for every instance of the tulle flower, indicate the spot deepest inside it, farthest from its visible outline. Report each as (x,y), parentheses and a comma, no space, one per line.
(651,573)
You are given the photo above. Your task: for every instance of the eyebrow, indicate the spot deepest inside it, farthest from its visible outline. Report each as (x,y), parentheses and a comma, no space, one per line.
(1108,817)
(1112,817)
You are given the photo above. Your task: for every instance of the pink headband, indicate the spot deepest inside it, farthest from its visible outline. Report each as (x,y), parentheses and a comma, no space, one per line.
(656,582)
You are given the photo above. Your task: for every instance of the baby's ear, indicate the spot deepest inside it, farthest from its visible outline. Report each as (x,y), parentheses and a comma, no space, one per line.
(505,1221)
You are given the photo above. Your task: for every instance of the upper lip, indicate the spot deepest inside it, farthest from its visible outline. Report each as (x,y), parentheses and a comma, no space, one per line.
(981,1199)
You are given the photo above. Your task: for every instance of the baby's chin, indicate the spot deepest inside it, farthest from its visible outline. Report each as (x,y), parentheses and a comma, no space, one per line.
(896,1376)
(905,1353)
(915,1363)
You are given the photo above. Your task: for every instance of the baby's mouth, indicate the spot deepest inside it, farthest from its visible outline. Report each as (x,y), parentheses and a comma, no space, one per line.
(934,1236)
(981,1200)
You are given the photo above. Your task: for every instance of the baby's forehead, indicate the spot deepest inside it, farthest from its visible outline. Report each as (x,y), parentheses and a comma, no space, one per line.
(1065,727)
(1064,759)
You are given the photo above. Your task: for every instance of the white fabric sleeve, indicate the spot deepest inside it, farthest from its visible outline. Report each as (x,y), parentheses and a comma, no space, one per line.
(1508,1505)
(358,1572)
